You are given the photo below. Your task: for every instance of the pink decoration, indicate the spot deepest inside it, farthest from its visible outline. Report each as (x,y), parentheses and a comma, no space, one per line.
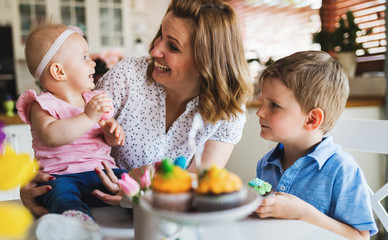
(145,180)
(110,57)
(2,136)
(129,185)
(75,29)
(108,115)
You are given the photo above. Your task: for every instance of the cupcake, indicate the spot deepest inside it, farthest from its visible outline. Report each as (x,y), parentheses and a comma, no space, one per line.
(171,187)
(261,187)
(218,189)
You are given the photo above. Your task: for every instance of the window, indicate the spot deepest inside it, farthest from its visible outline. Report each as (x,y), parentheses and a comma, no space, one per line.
(111,31)
(73,13)
(31,11)
(274,29)
(368,14)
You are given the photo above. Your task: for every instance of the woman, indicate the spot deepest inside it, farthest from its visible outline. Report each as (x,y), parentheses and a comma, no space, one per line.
(197,64)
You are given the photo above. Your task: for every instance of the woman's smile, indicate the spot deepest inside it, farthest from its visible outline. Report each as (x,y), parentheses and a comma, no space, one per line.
(160,67)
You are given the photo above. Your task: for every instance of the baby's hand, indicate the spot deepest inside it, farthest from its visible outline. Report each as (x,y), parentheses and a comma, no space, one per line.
(98,106)
(113,133)
(282,205)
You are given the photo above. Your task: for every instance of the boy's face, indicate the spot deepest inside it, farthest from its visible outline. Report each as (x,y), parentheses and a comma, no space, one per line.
(281,118)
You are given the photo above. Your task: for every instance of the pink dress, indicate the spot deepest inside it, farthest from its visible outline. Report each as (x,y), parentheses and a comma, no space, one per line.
(84,154)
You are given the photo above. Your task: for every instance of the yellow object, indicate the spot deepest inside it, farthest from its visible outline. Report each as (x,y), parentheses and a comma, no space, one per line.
(177,181)
(217,181)
(14,221)
(9,106)
(16,169)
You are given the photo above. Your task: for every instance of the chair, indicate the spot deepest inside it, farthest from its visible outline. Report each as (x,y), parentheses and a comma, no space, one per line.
(365,135)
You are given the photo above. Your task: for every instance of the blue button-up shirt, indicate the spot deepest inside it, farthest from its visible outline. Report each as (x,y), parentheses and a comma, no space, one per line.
(327,178)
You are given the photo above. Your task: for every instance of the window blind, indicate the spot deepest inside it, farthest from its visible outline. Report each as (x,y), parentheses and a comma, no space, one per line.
(368,14)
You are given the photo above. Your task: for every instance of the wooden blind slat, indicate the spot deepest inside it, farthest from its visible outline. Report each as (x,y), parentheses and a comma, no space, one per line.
(274,31)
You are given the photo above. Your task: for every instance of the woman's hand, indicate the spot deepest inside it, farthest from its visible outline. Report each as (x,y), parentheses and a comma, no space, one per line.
(138,172)
(30,191)
(110,182)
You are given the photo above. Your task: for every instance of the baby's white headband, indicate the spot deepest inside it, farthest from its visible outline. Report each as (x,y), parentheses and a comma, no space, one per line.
(54,48)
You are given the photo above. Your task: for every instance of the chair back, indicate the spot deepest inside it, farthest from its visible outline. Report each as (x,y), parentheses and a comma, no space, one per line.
(365,135)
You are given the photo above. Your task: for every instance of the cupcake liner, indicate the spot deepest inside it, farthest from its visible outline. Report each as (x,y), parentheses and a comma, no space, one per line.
(265,195)
(180,202)
(268,194)
(207,203)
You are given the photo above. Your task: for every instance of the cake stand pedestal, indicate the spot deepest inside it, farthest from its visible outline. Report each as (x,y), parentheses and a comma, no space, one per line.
(198,219)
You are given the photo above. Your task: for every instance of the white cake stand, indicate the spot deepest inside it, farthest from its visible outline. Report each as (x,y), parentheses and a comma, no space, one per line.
(250,204)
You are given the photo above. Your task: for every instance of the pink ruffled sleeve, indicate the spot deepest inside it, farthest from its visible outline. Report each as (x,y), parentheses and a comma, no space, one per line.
(25,101)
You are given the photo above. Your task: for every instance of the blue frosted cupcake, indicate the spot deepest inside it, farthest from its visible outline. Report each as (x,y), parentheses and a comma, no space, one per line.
(261,187)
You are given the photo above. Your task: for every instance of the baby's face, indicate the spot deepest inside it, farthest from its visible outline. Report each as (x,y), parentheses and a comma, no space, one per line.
(78,67)
(281,118)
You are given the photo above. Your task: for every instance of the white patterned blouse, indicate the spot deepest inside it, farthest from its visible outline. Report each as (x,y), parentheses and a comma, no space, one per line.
(140,110)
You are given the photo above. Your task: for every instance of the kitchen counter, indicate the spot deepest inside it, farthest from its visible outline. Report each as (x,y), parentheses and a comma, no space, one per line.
(10,120)
(353,101)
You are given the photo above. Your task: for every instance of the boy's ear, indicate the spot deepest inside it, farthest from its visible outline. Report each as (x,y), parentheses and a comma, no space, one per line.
(314,119)
(57,72)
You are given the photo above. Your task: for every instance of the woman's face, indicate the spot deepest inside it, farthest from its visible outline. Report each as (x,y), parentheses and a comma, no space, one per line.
(174,60)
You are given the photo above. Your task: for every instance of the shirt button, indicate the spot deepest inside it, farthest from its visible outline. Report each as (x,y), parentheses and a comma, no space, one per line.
(282,188)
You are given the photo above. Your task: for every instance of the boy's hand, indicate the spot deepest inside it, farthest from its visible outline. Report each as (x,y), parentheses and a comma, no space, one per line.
(113,133)
(282,205)
(97,106)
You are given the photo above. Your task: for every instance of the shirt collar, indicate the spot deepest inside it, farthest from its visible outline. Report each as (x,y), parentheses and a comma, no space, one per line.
(193,103)
(321,153)
(275,156)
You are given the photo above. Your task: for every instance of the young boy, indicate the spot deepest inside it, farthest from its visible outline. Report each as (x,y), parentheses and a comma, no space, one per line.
(302,97)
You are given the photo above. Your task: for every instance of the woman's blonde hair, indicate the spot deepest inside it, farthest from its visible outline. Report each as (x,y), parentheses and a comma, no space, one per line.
(317,81)
(219,56)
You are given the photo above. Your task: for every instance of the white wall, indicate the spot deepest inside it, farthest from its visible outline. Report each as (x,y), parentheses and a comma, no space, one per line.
(5,13)
(155,11)
(249,150)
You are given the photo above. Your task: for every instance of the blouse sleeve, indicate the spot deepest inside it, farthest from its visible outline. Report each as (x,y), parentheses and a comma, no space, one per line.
(230,131)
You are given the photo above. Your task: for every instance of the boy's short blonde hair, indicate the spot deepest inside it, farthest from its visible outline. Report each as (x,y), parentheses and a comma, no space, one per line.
(39,41)
(316,79)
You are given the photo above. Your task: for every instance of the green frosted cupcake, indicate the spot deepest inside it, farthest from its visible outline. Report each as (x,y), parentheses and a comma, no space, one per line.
(262,188)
